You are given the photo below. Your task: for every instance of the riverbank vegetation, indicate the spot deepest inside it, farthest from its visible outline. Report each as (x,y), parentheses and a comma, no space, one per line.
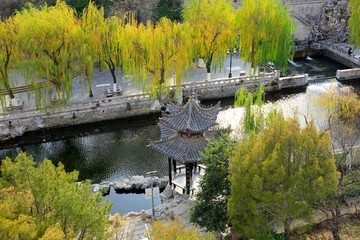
(51,45)
(42,201)
(280,173)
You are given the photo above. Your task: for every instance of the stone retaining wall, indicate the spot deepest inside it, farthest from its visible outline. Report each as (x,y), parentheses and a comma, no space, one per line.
(294,81)
(18,122)
(340,56)
(348,74)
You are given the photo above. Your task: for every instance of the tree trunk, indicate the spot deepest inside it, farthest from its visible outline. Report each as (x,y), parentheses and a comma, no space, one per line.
(252,58)
(112,71)
(287,229)
(8,88)
(208,66)
(111,66)
(162,77)
(7,84)
(335,224)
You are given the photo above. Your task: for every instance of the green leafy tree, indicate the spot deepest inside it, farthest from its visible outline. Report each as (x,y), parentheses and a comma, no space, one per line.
(157,55)
(51,39)
(210,209)
(43,201)
(213,30)
(354,22)
(278,176)
(266,32)
(168,8)
(9,52)
(342,119)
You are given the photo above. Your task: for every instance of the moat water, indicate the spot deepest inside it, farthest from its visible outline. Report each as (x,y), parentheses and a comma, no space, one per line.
(114,150)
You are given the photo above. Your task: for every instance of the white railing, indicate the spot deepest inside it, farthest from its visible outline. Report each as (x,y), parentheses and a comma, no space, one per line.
(124,99)
(348,74)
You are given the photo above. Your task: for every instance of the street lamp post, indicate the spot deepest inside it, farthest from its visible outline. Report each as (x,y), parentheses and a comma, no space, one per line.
(91,93)
(230,74)
(152,174)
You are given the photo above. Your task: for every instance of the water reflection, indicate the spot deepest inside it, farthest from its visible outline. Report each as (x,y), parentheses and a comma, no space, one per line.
(102,156)
(123,202)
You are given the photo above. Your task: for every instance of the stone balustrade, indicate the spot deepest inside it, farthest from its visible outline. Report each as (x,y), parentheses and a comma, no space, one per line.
(134,105)
(348,74)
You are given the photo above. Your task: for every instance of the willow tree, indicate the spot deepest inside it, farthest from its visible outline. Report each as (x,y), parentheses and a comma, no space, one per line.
(8,52)
(266,32)
(92,21)
(50,37)
(111,48)
(104,38)
(354,22)
(212,27)
(157,55)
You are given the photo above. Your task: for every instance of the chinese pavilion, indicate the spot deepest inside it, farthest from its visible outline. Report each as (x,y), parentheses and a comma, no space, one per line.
(184,132)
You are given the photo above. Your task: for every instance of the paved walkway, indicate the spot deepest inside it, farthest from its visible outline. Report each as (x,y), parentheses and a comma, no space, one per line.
(136,228)
(103,80)
(341,50)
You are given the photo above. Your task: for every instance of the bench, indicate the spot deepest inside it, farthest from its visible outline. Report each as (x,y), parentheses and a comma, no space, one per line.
(110,91)
(15,104)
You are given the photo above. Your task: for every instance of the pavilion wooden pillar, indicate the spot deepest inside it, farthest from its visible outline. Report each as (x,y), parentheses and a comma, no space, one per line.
(174,166)
(170,170)
(189,170)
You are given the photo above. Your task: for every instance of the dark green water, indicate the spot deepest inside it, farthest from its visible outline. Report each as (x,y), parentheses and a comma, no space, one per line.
(108,151)
(318,68)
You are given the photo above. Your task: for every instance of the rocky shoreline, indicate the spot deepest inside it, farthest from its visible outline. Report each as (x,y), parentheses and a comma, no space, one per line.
(172,204)
(134,184)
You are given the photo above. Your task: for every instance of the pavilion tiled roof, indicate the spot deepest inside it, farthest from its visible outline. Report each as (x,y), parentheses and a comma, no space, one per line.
(185,131)
(191,117)
(180,147)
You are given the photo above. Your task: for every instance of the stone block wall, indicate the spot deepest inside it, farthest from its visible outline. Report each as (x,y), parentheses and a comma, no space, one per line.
(348,74)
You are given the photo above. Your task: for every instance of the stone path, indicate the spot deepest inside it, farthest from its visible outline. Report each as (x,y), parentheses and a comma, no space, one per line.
(137,227)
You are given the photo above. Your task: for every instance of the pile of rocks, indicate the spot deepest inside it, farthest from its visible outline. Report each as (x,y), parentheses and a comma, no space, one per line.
(132,184)
(331,25)
(17,127)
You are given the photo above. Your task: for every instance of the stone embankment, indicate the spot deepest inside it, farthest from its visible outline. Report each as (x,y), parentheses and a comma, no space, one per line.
(15,123)
(132,184)
(348,74)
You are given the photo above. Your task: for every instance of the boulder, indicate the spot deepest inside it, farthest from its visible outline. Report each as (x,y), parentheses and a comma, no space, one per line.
(137,181)
(167,193)
(119,185)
